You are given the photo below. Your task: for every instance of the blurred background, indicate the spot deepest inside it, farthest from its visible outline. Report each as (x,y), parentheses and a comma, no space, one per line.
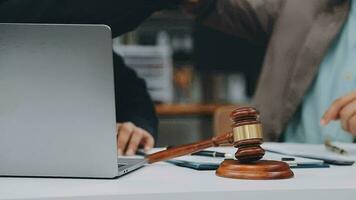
(195,75)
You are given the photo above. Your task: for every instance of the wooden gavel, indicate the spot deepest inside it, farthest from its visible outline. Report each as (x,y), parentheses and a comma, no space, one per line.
(246,135)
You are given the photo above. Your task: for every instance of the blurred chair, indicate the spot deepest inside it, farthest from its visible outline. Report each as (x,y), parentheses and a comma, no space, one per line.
(222,122)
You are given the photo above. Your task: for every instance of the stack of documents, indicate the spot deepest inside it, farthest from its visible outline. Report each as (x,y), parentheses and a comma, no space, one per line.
(212,163)
(315,151)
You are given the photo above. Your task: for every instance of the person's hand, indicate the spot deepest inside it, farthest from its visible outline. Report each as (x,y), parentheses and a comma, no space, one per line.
(343,109)
(130,137)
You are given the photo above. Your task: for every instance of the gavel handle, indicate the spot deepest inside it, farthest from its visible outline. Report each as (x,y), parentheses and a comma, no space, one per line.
(174,152)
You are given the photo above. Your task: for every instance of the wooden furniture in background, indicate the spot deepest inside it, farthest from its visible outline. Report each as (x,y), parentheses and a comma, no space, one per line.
(221,119)
(220,113)
(185,123)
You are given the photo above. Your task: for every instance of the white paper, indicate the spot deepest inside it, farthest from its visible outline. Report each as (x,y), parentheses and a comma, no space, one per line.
(317,151)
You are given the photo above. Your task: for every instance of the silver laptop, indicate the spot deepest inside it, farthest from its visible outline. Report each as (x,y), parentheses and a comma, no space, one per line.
(57,102)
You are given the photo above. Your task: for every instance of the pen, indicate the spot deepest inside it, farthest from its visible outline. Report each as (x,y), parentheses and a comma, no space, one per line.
(311,165)
(334,148)
(214,154)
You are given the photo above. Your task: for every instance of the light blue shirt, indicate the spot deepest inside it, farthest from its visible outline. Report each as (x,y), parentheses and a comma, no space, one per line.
(336,78)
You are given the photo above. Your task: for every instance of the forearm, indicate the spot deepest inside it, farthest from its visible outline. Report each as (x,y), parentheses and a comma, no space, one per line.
(121,16)
(133,102)
(249,19)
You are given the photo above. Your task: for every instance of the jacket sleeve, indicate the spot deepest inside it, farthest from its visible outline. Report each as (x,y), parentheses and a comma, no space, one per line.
(133,102)
(248,19)
(121,15)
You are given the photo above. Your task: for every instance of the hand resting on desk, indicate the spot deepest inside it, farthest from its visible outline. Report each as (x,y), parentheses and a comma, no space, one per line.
(130,137)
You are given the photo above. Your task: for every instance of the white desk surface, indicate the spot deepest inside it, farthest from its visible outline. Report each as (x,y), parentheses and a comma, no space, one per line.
(165,181)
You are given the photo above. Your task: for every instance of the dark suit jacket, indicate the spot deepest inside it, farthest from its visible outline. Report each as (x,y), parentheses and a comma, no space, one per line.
(133,102)
(297,34)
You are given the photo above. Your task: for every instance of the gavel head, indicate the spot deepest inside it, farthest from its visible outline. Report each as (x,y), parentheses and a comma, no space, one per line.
(247,134)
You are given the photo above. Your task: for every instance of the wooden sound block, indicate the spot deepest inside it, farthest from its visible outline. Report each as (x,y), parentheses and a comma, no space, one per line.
(259,170)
